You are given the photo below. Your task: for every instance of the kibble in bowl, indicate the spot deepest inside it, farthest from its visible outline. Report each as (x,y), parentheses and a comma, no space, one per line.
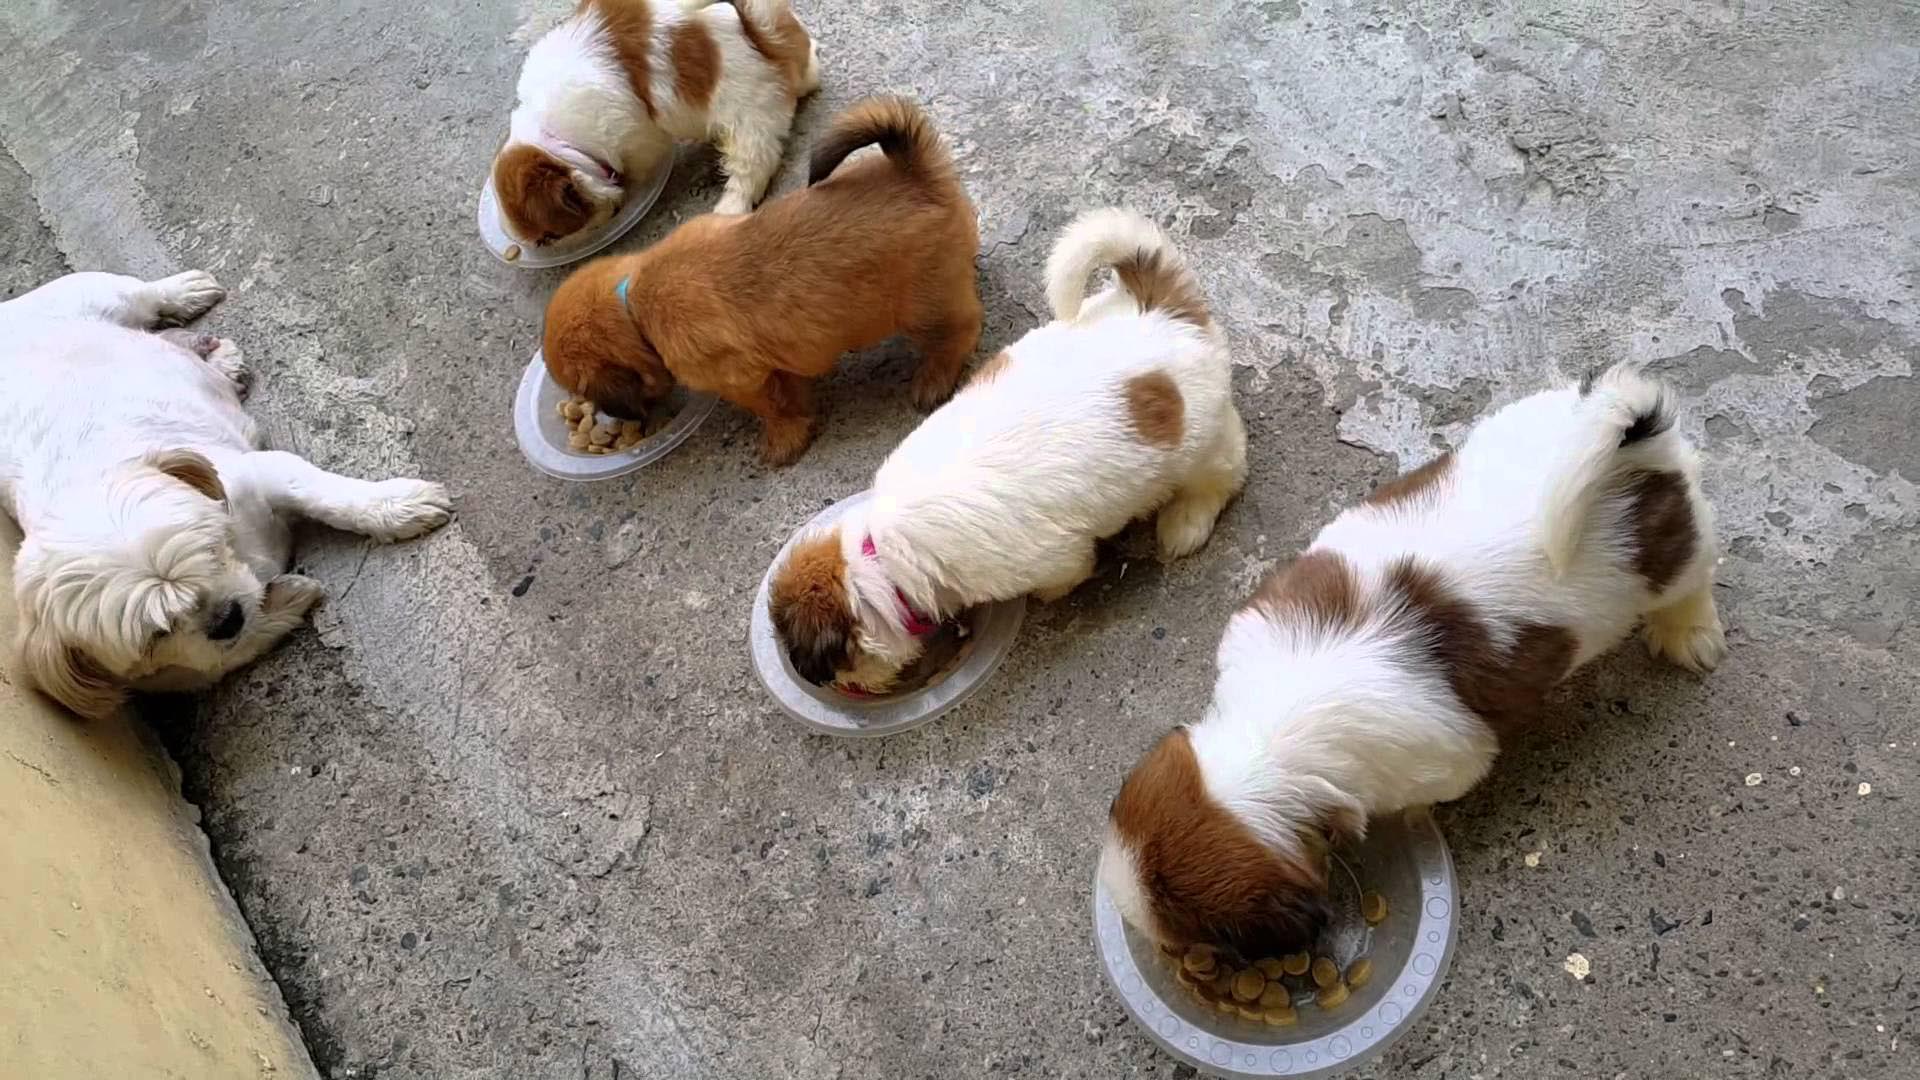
(1381,975)
(566,437)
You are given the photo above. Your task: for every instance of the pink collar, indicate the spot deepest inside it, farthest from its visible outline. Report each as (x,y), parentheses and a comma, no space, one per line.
(916,624)
(554,142)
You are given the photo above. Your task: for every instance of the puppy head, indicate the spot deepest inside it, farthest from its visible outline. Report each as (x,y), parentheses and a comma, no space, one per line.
(545,199)
(813,609)
(130,580)
(594,346)
(1184,870)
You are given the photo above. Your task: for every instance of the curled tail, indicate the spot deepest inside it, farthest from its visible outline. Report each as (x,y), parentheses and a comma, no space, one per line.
(902,131)
(1149,267)
(773,31)
(1618,409)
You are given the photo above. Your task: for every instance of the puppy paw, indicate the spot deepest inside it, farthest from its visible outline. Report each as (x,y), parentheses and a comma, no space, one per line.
(733,203)
(1687,632)
(782,444)
(404,509)
(226,359)
(291,596)
(1184,525)
(186,296)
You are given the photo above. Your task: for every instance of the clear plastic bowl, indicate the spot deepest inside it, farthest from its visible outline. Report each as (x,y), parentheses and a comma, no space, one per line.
(543,434)
(493,227)
(1405,860)
(993,628)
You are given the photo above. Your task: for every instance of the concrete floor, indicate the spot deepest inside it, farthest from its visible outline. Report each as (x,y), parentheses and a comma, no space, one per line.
(515,808)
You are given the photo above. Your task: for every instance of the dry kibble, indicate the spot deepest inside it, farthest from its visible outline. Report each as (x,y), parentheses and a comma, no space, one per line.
(1331,997)
(1270,967)
(1359,972)
(1275,996)
(1249,985)
(1198,960)
(1325,973)
(512,253)
(601,437)
(1248,1012)
(1225,1005)
(1296,964)
(577,441)
(1281,1017)
(1373,908)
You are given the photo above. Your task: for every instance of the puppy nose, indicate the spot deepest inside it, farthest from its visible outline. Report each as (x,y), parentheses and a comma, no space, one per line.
(229,624)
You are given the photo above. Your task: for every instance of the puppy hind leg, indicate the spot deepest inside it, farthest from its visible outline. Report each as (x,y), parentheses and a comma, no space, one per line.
(784,404)
(221,354)
(1186,521)
(1067,574)
(750,147)
(945,344)
(386,510)
(1686,628)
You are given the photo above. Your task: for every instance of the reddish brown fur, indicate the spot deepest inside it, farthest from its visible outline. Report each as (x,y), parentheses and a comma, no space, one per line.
(1504,686)
(1206,877)
(754,308)
(1157,286)
(785,45)
(629,26)
(1318,587)
(696,63)
(1665,537)
(807,601)
(1410,486)
(537,194)
(1157,409)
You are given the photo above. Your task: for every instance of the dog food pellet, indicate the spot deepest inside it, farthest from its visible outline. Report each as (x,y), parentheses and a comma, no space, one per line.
(1325,973)
(1275,996)
(1359,972)
(1283,1016)
(1198,960)
(1249,985)
(1248,1012)
(1225,1005)
(1331,997)
(512,253)
(1270,967)
(1373,908)
(1296,964)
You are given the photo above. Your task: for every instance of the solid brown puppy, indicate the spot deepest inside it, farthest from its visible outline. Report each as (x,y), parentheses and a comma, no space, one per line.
(754,308)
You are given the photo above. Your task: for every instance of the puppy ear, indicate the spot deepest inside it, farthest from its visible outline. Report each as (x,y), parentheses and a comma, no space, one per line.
(68,675)
(538,193)
(192,469)
(808,606)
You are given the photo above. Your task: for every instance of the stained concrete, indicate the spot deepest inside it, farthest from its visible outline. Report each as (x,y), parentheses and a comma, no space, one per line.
(516,809)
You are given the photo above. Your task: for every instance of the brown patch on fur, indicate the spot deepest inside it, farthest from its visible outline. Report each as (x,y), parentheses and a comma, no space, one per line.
(1157,283)
(696,63)
(1157,409)
(192,469)
(1410,486)
(1318,586)
(1205,876)
(1664,534)
(989,371)
(808,604)
(537,194)
(1504,686)
(629,25)
(754,307)
(785,44)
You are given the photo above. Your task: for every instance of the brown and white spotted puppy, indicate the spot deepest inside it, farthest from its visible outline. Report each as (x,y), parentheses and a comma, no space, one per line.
(603,96)
(1123,405)
(1381,668)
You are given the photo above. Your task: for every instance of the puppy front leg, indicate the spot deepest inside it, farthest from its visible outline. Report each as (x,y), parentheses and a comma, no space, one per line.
(383,509)
(288,599)
(784,404)
(1072,568)
(118,298)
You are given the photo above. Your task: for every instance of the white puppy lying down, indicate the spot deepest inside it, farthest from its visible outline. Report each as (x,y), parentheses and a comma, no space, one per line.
(1380,670)
(1123,405)
(156,526)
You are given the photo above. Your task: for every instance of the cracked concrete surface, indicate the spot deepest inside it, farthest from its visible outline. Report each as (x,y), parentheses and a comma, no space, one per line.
(515,807)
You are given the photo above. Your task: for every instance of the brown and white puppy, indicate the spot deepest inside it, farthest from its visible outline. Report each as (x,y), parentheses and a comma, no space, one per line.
(1381,668)
(754,308)
(603,96)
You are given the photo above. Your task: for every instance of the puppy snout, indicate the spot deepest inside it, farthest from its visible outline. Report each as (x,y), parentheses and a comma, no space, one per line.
(229,624)
(813,666)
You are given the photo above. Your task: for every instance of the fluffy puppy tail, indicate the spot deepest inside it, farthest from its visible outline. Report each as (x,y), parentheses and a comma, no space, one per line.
(1149,267)
(1618,409)
(900,129)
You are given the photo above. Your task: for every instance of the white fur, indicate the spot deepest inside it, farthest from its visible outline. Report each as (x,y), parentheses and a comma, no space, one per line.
(1006,489)
(125,567)
(573,93)
(1307,721)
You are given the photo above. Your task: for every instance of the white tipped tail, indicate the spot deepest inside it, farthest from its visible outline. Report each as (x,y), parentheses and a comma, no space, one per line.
(1149,267)
(1615,410)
